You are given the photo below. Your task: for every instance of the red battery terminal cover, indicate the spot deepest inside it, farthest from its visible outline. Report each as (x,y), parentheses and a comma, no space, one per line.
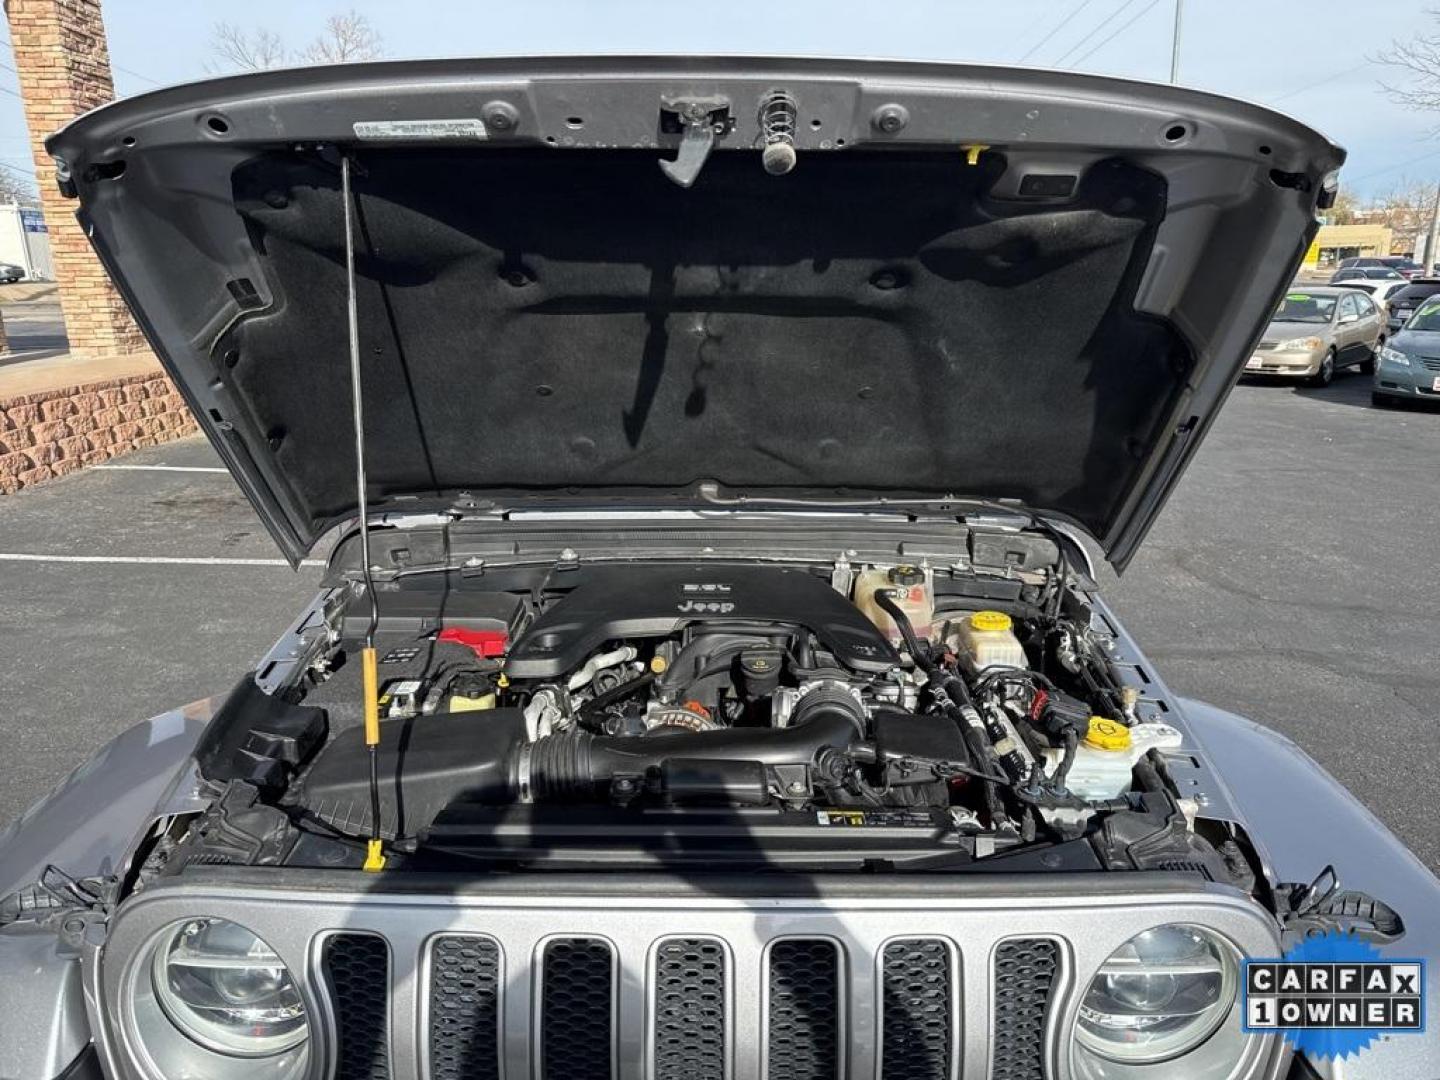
(483,643)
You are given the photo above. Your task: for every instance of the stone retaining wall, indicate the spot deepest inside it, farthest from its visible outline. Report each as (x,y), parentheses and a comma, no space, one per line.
(49,434)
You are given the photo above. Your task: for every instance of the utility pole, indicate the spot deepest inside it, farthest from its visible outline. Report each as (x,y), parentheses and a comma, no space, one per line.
(1430,252)
(1175,43)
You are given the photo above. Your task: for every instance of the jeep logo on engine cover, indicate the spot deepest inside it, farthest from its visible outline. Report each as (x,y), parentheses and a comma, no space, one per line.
(706,607)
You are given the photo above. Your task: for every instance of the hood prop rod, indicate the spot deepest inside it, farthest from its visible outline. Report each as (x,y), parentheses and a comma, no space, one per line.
(374,848)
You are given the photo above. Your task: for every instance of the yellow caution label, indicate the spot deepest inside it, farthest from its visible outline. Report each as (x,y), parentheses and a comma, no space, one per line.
(459,703)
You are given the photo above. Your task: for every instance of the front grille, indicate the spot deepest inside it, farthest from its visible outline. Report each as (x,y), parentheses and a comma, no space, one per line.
(690,1009)
(464,1008)
(803,1012)
(1430,363)
(357,971)
(576,1006)
(1025,972)
(916,1014)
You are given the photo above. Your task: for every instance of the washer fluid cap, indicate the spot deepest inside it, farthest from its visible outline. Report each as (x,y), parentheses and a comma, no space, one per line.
(991,622)
(1107,734)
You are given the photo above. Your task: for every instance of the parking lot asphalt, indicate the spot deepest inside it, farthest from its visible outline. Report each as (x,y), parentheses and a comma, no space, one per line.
(34,329)
(1293,578)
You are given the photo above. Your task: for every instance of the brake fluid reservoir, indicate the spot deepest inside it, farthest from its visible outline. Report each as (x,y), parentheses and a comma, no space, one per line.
(986,639)
(910,590)
(1108,753)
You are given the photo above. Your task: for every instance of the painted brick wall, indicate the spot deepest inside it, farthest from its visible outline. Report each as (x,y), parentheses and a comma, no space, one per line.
(53,433)
(63,64)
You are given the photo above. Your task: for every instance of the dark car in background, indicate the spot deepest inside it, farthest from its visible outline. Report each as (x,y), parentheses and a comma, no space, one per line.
(1366,273)
(1405,267)
(1402,302)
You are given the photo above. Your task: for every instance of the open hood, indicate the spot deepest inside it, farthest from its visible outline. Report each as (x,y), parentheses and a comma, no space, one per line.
(972,283)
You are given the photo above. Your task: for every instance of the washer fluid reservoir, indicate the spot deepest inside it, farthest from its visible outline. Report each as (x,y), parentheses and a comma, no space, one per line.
(986,640)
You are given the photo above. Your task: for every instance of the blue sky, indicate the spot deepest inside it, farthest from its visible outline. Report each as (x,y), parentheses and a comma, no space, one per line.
(1306,58)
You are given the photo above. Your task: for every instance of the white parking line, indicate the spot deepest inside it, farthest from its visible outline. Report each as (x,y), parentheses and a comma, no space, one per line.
(165,468)
(151,560)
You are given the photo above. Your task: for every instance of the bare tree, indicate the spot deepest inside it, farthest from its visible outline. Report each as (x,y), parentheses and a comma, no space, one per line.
(1416,61)
(17,187)
(249,50)
(1406,207)
(346,37)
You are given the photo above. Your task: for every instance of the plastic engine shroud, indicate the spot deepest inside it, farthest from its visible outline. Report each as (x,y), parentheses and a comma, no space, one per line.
(623,602)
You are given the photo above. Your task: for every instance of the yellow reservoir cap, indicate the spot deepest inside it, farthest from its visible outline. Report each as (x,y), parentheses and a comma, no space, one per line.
(991,622)
(1107,734)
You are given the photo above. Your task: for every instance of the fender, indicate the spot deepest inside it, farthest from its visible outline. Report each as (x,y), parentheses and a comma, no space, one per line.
(86,826)
(88,822)
(1304,819)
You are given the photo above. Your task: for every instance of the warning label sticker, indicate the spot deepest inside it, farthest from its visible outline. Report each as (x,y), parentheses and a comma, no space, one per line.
(462,128)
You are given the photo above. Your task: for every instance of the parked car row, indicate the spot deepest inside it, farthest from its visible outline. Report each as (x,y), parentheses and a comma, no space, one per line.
(1387,329)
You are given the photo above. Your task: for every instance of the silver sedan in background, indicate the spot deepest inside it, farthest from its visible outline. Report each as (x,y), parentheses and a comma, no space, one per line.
(1316,332)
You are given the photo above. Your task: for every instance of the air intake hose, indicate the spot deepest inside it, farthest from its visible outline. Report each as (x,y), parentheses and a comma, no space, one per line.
(578,766)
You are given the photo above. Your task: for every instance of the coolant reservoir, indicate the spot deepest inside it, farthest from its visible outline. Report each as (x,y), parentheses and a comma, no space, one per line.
(910,590)
(1108,753)
(986,640)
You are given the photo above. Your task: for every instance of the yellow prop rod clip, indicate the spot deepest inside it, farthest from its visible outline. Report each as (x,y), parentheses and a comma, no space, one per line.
(374,856)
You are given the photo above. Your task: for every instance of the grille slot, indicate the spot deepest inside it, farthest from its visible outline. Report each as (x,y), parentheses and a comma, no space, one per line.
(576,1010)
(357,970)
(464,1008)
(917,1021)
(690,1009)
(803,1016)
(1025,973)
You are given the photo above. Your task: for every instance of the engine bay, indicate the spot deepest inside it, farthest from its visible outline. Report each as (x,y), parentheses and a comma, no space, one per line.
(897,715)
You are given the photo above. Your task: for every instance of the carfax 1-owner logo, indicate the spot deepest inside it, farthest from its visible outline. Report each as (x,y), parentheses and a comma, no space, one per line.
(1334,994)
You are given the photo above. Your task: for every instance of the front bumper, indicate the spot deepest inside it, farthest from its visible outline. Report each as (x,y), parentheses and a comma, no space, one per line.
(1414,383)
(1291,363)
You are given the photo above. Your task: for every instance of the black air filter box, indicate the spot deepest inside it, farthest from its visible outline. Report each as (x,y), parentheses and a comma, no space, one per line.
(426,764)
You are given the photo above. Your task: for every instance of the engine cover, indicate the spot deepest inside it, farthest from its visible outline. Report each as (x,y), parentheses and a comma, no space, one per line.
(614,602)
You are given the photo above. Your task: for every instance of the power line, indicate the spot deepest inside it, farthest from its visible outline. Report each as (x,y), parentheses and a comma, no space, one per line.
(116,67)
(1319,82)
(1392,168)
(1088,37)
(1066,21)
(1140,15)
(29,174)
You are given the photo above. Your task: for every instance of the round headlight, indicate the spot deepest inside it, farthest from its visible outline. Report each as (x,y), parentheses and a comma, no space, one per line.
(1160,995)
(227,990)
